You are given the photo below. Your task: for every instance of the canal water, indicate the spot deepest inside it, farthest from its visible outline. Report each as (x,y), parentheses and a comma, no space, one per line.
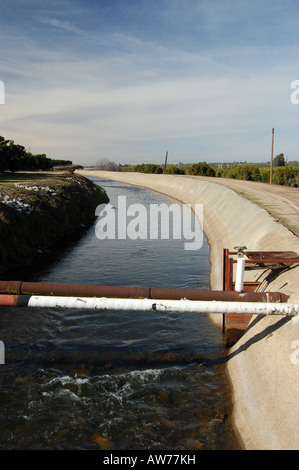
(115,380)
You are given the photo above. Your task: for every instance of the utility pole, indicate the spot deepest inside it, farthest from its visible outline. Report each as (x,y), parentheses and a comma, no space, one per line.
(165,164)
(271,165)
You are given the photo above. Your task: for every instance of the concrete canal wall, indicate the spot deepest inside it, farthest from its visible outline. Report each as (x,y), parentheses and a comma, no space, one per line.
(264,364)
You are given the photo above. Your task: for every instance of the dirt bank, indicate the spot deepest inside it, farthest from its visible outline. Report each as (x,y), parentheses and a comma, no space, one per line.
(263,365)
(39,210)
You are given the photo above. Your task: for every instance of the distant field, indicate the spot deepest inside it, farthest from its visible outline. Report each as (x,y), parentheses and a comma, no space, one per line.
(26,176)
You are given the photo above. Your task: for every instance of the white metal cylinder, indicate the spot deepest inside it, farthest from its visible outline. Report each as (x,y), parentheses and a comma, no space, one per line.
(183,305)
(239,284)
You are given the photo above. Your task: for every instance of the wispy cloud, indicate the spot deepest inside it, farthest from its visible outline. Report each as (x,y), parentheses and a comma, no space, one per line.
(127,82)
(65,25)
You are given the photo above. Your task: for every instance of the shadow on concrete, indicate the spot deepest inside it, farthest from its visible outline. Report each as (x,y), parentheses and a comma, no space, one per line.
(259,336)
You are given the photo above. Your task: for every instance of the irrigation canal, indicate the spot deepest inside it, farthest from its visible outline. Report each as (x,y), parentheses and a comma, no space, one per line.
(115,380)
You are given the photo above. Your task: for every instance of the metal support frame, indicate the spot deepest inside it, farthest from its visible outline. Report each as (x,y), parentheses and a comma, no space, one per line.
(234,325)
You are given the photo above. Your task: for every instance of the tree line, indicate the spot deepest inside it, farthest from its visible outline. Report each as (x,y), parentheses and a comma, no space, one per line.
(282,174)
(14,157)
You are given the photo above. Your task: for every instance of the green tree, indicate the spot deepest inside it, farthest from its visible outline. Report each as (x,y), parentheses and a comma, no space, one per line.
(148,168)
(3,154)
(14,157)
(201,169)
(174,170)
(279,160)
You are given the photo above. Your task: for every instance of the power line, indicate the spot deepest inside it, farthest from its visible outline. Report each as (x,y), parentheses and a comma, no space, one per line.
(287,133)
(250,140)
(241,144)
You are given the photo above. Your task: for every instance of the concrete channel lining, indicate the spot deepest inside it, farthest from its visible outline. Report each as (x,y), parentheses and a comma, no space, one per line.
(262,365)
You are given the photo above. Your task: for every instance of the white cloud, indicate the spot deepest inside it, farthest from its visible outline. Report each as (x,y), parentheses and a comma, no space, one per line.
(126,95)
(195,109)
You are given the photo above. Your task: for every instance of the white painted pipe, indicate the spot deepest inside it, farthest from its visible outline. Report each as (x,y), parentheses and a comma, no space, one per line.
(239,284)
(183,305)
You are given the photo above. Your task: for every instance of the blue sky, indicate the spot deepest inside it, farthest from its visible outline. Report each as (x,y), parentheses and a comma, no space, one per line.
(128,80)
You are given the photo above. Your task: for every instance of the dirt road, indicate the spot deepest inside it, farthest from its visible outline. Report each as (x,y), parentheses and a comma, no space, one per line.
(282,202)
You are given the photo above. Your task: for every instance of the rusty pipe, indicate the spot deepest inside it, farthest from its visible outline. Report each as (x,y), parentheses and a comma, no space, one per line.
(40,288)
(14,300)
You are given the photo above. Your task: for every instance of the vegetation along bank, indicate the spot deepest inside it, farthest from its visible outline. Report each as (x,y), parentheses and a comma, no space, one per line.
(40,209)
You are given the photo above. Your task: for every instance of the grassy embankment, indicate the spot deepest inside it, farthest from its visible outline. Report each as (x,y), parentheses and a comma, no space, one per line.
(38,210)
